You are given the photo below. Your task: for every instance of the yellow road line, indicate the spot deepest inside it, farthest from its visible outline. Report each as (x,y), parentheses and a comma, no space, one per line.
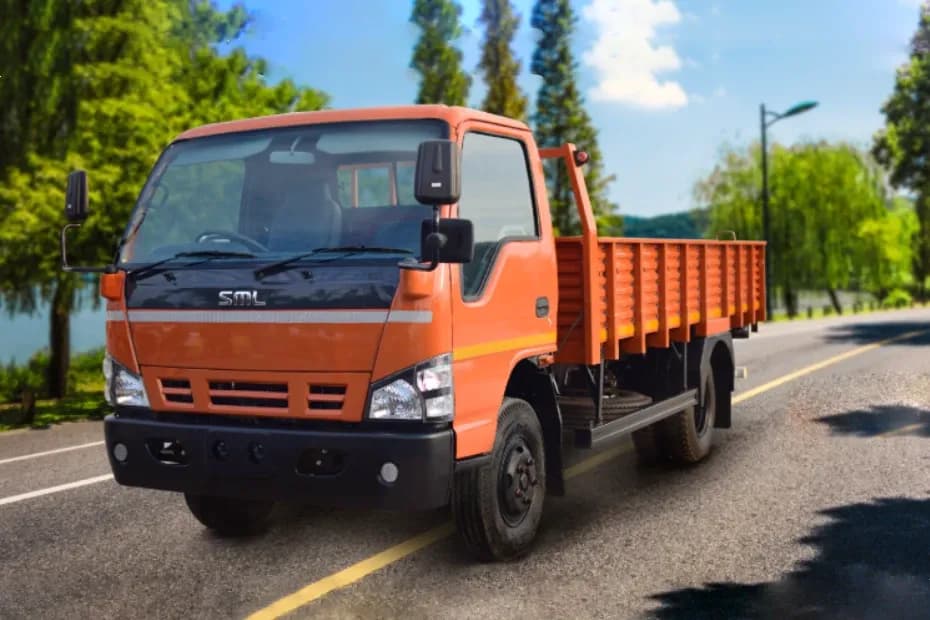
(350,575)
(360,570)
(765,387)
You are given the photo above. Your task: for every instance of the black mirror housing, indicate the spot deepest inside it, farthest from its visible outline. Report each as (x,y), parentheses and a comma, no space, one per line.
(438,178)
(76,197)
(451,241)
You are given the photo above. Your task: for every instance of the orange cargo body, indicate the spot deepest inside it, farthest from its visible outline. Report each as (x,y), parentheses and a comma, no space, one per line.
(650,292)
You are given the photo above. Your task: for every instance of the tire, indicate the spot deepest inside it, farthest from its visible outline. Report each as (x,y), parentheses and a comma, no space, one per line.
(614,405)
(496,512)
(688,436)
(228,516)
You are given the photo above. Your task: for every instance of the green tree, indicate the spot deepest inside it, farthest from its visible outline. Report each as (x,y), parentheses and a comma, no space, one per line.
(560,117)
(903,144)
(498,65)
(136,72)
(435,56)
(35,72)
(826,201)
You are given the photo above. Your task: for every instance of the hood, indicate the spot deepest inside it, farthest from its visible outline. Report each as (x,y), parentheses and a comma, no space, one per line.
(313,318)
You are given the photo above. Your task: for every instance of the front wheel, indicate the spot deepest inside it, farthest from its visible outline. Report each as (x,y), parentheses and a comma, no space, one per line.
(497,508)
(230,516)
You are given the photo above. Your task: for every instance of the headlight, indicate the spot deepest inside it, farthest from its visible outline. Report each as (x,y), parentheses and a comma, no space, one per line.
(422,392)
(122,386)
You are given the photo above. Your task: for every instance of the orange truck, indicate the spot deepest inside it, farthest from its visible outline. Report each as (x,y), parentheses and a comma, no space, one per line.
(371,308)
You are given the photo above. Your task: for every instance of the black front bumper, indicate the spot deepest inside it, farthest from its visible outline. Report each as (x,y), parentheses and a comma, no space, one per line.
(322,467)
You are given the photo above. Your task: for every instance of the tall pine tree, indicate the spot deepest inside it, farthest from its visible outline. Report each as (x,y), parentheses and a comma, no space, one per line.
(435,56)
(560,117)
(498,65)
(904,144)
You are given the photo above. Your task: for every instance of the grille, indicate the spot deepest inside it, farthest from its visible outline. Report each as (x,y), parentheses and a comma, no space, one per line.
(326,397)
(248,394)
(177,391)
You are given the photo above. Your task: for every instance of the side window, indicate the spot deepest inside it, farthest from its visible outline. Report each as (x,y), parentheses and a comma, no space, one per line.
(497,197)
(376,185)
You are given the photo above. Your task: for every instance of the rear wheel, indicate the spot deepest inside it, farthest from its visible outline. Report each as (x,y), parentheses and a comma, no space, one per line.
(497,508)
(689,435)
(230,516)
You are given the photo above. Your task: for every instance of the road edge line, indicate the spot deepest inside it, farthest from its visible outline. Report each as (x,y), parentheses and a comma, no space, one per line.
(13,499)
(33,455)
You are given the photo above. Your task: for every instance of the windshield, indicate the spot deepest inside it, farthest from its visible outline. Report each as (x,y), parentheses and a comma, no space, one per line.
(277,193)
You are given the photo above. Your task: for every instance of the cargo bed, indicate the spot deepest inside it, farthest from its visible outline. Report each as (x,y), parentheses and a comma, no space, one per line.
(650,292)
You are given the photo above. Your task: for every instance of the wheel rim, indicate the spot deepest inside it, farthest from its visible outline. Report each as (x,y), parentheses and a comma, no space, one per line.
(702,416)
(517,482)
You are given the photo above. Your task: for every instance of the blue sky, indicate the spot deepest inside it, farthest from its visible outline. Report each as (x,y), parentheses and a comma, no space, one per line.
(666,81)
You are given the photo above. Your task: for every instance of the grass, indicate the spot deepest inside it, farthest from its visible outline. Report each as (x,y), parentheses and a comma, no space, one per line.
(818,313)
(85,402)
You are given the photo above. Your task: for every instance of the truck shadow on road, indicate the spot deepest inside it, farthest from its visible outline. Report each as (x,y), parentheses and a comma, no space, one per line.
(867,333)
(871,561)
(880,420)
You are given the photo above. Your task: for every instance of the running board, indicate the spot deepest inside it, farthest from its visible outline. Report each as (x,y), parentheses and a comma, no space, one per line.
(593,437)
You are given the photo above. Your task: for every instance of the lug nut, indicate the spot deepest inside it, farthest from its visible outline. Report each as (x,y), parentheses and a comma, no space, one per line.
(257,452)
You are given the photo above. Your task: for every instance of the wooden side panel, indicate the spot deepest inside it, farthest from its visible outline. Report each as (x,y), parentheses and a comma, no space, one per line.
(653,292)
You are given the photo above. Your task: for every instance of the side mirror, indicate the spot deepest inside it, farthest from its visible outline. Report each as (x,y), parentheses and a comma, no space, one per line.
(76,197)
(76,212)
(449,241)
(438,173)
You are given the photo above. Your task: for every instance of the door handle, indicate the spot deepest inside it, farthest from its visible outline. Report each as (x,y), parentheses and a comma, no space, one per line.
(542,307)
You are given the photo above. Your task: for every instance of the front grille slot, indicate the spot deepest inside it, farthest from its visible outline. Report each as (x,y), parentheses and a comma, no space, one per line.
(177,391)
(326,397)
(248,394)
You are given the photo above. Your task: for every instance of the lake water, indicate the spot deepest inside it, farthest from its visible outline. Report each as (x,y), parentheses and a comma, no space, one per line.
(22,336)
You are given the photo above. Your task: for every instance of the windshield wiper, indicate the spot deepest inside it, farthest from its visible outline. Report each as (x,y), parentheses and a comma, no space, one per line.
(345,250)
(152,268)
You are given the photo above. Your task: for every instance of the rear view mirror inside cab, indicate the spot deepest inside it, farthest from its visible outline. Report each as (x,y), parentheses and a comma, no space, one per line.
(291,157)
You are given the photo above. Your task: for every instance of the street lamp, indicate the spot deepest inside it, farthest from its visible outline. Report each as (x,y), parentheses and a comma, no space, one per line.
(764,123)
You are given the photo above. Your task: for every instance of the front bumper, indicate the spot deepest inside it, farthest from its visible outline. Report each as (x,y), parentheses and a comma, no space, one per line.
(322,467)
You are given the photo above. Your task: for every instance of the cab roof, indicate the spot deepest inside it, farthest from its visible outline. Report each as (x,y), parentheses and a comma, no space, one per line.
(454,115)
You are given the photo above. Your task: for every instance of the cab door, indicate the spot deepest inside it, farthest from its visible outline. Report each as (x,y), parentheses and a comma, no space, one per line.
(504,301)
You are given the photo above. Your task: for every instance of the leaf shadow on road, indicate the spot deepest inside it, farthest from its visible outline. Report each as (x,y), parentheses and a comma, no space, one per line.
(872,561)
(867,333)
(875,420)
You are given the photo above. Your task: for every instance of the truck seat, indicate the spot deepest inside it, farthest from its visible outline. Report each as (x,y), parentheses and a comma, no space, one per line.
(309,218)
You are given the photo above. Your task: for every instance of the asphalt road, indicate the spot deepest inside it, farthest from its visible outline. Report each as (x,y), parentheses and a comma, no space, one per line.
(816,504)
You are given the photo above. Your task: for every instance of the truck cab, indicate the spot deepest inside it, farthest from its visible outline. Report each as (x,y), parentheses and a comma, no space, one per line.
(369,308)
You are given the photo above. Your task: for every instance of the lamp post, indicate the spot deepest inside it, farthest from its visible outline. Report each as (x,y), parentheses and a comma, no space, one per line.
(765,123)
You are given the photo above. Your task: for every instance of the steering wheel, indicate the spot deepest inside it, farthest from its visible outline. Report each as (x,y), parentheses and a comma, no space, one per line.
(228,235)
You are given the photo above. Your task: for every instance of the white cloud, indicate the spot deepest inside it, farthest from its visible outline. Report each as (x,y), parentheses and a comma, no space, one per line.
(720,91)
(715,9)
(626,57)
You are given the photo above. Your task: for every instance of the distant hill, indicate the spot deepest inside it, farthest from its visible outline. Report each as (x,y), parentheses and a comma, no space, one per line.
(685,225)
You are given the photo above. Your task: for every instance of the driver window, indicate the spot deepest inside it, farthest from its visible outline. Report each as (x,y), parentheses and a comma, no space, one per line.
(497,197)
(178,212)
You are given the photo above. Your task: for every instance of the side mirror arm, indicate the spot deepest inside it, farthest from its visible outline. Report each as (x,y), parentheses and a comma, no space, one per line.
(440,241)
(67,268)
